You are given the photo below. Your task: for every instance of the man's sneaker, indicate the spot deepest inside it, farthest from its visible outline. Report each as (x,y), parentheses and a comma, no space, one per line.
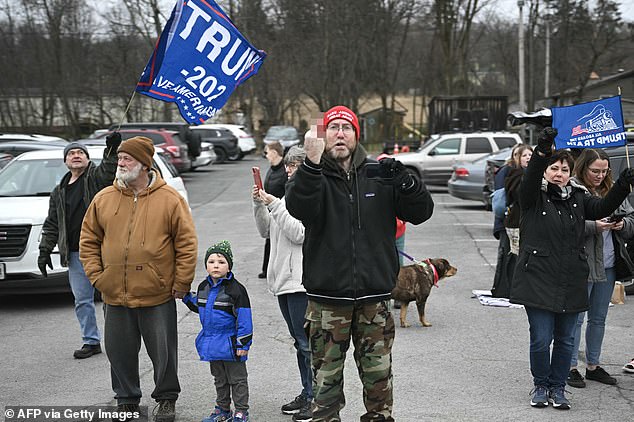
(165,411)
(241,417)
(219,415)
(87,350)
(540,396)
(305,414)
(575,379)
(294,406)
(558,398)
(599,374)
(127,412)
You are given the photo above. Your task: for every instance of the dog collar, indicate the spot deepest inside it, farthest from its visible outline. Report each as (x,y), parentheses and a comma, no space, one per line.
(428,262)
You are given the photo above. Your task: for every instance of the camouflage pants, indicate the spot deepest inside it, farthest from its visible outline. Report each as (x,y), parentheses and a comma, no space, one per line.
(371,328)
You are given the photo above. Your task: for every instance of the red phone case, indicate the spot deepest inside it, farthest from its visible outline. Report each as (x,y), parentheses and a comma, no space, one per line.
(257,179)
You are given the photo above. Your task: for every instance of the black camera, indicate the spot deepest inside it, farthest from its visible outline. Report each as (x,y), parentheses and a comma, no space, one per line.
(377,171)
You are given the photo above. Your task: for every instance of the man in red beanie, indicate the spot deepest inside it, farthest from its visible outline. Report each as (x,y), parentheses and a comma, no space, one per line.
(348,205)
(138,245)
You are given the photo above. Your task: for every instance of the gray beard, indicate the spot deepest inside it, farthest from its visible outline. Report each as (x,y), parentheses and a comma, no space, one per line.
(125,176)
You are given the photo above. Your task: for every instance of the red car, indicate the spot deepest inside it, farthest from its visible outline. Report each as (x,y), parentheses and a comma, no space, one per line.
(169,140)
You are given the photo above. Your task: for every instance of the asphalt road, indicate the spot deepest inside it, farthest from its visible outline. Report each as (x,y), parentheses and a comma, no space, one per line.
(471,365)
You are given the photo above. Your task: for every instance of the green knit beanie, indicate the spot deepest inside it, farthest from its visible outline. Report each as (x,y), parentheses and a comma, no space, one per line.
(223,248)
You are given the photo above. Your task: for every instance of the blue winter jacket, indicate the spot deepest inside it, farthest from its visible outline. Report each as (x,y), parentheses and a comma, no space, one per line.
(225,315)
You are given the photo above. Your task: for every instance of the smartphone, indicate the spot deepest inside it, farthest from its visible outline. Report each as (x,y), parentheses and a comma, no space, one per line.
(257,178)
(616,217)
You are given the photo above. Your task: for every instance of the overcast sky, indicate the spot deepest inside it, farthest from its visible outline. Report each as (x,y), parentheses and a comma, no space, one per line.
(509,8)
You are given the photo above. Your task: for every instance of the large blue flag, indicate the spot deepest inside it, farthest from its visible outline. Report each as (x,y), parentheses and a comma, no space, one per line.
(199,60)
(597,124)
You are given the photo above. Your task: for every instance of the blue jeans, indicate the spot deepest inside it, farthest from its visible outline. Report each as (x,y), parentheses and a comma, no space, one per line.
(548,327)
(293,307)
(599,295)
(84,300)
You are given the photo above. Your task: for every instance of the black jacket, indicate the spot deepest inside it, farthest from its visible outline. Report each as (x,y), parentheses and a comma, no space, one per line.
(552,267)
(95,179)
(275,180)
(349,251)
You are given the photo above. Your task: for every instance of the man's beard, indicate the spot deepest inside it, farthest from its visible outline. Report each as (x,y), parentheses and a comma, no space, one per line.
(126,176)
(339,155)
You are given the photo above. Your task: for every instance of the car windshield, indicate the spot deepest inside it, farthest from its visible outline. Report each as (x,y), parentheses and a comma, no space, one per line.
(31,177)
(282,132)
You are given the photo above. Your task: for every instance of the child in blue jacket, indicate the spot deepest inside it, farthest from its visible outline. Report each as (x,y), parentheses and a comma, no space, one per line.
(227,330)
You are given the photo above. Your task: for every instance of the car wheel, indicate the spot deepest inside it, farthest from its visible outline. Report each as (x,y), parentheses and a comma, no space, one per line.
(237,156)
(629,289)
(221,155)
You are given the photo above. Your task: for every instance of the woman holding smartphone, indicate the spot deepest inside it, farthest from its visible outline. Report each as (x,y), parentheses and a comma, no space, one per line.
(608,261)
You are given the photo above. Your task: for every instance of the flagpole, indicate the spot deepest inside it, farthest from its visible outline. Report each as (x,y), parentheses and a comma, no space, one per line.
(123,117)
(125,113)
(627,149)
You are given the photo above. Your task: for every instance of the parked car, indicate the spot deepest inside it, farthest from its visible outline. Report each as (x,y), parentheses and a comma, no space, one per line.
(169,140)
(434,161)
(13,137)
(207,155)
(225,143)
(5,159)
(19,147)
(25,186)
(186,135)
(246,142)
(467,180)
(285,135)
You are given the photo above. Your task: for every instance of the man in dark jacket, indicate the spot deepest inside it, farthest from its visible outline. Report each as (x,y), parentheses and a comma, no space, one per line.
(349,205)
(67,206)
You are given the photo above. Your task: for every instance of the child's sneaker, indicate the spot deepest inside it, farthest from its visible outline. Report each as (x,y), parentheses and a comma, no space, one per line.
(219,415)
(241,417)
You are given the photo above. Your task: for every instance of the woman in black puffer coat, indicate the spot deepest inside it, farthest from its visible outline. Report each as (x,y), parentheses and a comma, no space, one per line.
(551,275)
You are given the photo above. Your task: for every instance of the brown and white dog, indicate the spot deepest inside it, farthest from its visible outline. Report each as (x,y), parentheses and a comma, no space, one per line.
(415,282)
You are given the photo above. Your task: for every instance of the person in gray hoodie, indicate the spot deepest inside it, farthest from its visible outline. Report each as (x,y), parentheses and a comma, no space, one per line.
(284,277)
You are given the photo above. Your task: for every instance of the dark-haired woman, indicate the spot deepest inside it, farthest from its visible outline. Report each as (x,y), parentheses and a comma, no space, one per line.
(608,261)
(551,275)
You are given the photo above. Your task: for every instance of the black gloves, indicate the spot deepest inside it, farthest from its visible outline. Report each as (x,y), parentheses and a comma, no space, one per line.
(626,179)
(42,261)
(545,140)
(113,140)
(395,171)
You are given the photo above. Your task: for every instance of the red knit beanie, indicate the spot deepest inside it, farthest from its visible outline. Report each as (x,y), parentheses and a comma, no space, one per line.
(342,112)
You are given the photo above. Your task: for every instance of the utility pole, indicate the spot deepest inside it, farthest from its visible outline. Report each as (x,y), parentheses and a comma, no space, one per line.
(547,64)
(522,87)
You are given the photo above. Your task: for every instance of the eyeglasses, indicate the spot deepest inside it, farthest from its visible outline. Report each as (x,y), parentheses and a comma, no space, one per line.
(289,166)
(334,128)
(598,172)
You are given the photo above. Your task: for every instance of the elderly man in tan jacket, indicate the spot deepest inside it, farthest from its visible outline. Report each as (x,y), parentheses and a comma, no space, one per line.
(138,246)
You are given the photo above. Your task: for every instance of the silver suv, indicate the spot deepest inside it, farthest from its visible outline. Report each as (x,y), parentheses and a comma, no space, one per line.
(435,159)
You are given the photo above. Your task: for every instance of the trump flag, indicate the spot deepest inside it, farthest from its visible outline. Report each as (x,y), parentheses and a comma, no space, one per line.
(597,124)
(199,60)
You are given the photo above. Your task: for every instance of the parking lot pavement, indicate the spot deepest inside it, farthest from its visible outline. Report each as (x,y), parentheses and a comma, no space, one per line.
(471,365)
